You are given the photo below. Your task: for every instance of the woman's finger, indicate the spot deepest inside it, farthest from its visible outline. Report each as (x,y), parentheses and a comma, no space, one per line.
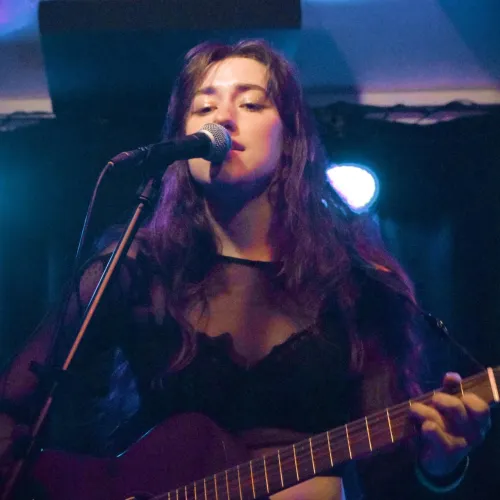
(453,410)
(479,417)
(451,381)
(439,437)
(476,406)
(424,412)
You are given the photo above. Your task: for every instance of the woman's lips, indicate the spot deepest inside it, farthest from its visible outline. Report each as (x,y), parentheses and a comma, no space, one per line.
(236,146)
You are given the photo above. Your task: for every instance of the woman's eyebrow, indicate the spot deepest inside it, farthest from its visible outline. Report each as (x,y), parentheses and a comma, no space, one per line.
(238,89)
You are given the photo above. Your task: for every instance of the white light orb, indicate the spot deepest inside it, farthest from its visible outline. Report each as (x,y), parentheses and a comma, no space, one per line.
(356,184)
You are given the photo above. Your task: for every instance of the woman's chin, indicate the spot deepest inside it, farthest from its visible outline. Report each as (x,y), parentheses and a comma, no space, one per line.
(227,173)
(237,175)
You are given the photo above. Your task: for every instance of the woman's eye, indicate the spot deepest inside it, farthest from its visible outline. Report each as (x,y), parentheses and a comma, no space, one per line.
(252,106)
(203,110)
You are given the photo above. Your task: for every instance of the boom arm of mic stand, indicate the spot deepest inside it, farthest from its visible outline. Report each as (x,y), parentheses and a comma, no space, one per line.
(147,194)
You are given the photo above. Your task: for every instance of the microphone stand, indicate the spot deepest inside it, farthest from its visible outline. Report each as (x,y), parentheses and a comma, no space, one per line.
(147,194)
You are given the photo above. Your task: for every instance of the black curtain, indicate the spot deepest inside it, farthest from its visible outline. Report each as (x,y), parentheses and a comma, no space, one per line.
(439,211)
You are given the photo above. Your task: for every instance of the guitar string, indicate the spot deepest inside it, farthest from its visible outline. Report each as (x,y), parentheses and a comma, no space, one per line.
(398,418)
(273,472)
(396,425)
(395,412)
(320,455)
(399,410)
(288,464)
(286,453)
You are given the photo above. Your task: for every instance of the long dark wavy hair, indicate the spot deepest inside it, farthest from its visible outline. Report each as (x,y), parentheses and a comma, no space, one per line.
(322,246)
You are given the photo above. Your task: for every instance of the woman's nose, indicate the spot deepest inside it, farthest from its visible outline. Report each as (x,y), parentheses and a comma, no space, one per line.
(225,116)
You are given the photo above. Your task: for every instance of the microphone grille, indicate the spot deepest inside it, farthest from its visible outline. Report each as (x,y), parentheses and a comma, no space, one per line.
(220,139)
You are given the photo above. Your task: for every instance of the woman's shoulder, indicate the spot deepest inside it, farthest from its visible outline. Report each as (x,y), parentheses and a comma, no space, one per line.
(136,270)
(106,244)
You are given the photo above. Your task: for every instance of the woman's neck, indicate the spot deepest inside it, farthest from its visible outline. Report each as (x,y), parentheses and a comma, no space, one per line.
(242,226)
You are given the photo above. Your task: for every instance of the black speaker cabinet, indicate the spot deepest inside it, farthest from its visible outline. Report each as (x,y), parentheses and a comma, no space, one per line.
(118,59)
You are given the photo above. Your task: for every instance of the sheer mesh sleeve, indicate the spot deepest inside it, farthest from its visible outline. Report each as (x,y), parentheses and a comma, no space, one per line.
(76,420)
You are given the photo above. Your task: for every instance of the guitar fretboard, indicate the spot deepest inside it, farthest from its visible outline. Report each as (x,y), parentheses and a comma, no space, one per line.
(290,465)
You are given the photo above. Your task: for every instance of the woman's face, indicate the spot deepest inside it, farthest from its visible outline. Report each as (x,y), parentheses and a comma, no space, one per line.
(233,94)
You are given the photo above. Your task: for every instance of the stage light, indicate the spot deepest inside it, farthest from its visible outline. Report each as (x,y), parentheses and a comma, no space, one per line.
(357,184)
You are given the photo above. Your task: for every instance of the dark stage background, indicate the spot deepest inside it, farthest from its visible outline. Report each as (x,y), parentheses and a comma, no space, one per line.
(439,211)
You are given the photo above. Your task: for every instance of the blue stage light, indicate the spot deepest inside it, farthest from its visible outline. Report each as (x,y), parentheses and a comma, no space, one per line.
(357,184)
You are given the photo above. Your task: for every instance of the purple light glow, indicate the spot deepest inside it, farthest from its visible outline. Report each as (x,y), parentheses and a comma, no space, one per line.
(16,15)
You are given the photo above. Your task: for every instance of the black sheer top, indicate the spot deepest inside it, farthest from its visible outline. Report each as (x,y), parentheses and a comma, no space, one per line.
(121,384)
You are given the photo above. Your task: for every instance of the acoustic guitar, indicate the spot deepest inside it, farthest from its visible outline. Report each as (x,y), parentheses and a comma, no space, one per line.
(189,458)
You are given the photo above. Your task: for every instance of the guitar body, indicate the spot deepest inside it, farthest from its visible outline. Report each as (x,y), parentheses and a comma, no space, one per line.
(182,449)
(185,457)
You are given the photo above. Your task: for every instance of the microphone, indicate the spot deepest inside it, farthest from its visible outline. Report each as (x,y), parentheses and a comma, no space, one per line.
(212,142)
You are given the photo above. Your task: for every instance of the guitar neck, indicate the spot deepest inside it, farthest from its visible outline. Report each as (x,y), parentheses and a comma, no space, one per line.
(290,465)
